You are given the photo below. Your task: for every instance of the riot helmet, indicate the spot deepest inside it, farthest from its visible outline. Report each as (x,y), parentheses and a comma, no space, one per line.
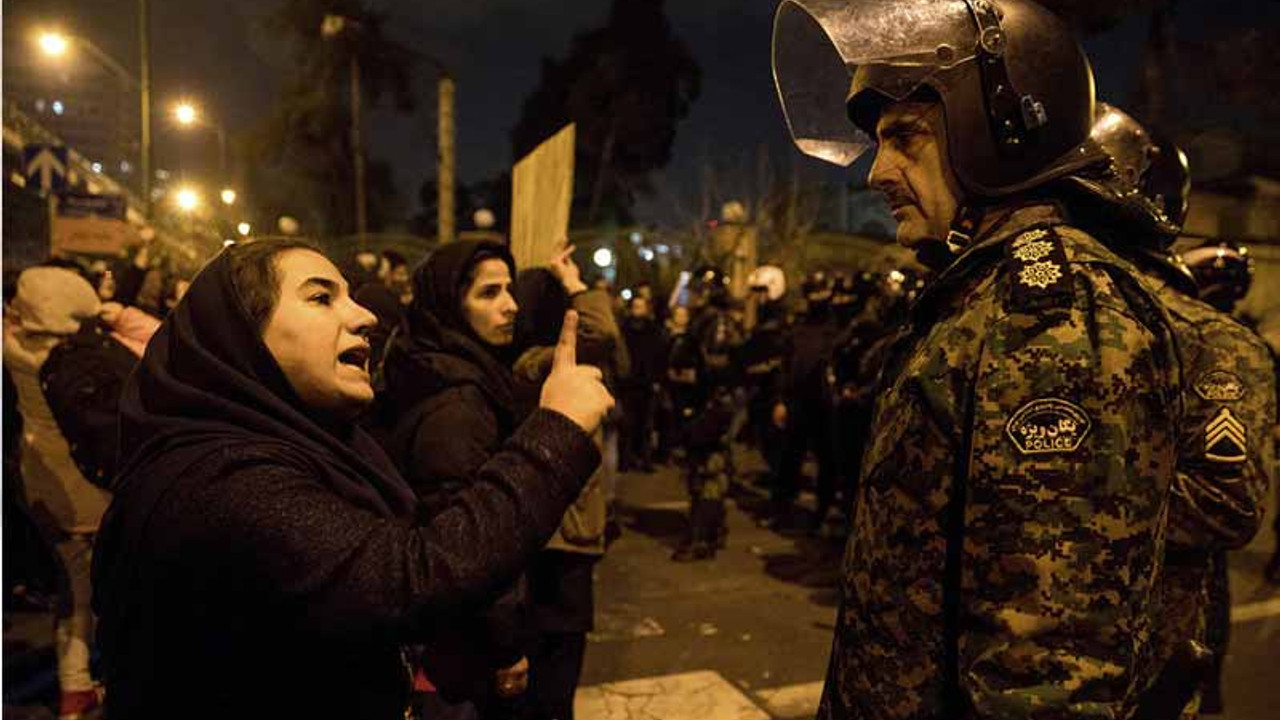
(1127,185)
(709,286)
(1168,182)
(1223,273)
(817,286)
(1015,87)
(769,281)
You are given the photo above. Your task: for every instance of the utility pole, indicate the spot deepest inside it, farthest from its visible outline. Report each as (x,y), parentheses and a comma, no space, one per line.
(357,152)
(144,89)
(446,159)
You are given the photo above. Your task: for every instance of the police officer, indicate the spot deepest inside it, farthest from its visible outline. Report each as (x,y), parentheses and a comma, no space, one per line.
(1223,273)
(806,410)
(1009,524)
(763,359)
(1225,446)
(853,371)
(703,369)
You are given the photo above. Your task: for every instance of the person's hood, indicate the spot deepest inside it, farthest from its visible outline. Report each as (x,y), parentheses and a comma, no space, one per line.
(440,282)
(207,381)
(440,350)
(54,300)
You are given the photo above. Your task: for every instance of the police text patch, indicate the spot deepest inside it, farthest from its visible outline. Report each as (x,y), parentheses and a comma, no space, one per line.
(1225,439)
(1220,386)
(1048,425)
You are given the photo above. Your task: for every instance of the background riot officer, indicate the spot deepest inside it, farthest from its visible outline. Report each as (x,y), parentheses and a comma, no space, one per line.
(1225,447)
(763,359)
(703,370)
(805,408)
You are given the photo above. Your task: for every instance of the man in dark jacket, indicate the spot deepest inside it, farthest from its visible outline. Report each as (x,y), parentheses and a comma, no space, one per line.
(260,547)
(646,343)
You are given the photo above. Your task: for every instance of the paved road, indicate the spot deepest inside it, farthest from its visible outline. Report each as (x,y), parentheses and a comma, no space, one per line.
(747,636)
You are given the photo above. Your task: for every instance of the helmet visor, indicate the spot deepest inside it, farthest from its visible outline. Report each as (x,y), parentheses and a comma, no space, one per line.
(825,51)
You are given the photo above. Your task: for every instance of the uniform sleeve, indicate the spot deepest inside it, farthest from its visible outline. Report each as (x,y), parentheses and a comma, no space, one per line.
(1070,450)
(1227,448)
(343,572)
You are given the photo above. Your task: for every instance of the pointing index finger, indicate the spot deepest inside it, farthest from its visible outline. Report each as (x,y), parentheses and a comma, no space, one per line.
(566,353)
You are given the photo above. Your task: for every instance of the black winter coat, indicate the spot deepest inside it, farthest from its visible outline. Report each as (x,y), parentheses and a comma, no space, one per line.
(256,564)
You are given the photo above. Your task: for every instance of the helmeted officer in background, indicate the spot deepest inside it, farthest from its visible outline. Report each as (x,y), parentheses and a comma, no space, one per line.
(805,410)
(1226,448)
(703,372)
(1010,515)
(1224,272)
(853,370)
(763,359)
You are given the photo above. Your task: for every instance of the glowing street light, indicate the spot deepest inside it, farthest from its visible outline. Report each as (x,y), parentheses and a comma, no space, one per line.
(244,229)
(56,45)
(185,113)
(187,199)
(228,196)
(603,257)
(53,44)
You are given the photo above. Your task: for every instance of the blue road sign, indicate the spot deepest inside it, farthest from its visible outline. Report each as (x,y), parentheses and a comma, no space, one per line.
(46,166)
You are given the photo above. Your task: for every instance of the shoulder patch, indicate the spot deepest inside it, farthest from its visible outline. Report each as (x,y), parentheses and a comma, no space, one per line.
(1220,386)
(1038,272)
(1048,425)
(1225,439)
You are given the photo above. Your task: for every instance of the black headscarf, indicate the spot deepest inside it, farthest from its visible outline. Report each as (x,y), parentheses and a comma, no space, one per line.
(207,380)
(441,348)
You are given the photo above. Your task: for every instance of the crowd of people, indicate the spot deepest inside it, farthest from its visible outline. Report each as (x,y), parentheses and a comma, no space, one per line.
(284,487)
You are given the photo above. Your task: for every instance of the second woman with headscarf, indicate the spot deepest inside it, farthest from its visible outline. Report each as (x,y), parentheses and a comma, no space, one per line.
(450,403)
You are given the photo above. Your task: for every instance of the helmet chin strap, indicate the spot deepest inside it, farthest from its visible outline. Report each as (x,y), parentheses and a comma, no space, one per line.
(938,254)
(963,227)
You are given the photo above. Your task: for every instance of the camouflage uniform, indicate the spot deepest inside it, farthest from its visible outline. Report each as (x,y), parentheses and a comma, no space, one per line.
(1036,383)
(1224,460)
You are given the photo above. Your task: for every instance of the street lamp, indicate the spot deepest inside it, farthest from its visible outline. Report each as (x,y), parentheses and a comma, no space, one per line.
(55,44)
(188,115)
(185,113)
(228,196)
(187,199)
(244,229)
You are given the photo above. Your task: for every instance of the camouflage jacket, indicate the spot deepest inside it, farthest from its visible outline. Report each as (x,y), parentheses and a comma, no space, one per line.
(1224,458)
(1036,382)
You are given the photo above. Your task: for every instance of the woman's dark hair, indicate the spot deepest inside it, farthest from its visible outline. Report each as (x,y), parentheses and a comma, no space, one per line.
(255,277)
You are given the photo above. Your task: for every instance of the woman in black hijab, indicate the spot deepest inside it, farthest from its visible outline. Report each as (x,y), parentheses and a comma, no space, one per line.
(452,370)
(261,556)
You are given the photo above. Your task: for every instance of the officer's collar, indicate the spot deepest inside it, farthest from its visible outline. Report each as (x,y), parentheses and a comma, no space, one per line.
(1000,224)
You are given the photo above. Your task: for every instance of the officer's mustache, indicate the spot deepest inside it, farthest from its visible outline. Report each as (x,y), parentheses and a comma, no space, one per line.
(896,196)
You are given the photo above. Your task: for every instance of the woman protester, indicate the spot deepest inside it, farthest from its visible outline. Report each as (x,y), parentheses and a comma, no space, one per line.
(262,557)
(452,369)
(560,577)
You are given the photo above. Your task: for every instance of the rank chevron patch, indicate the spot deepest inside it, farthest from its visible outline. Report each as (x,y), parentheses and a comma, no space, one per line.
(1225,439)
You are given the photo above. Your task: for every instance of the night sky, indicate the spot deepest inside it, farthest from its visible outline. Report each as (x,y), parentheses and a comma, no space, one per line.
(215,50)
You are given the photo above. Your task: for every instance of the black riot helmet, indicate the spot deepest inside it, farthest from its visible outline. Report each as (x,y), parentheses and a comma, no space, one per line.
(710,285)
(1145,184)
(817,286)
(1016,89)
(1168,181)
(1223,272)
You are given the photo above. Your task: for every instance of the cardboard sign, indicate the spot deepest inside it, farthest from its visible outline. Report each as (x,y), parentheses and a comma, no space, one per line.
(541,194)
(92,224)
